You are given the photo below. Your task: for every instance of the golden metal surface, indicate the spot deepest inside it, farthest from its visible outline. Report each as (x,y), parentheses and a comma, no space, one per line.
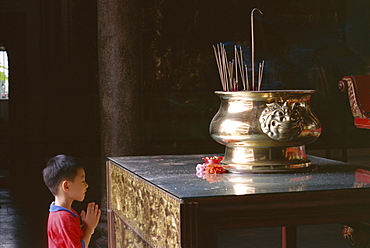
(130,239)
(118,232)
(265,130)
(152,213)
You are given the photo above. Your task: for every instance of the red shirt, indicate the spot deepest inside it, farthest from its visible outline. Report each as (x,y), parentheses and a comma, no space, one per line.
(64,228)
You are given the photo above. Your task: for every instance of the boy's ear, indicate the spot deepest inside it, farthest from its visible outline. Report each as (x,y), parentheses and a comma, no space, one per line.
(65,185)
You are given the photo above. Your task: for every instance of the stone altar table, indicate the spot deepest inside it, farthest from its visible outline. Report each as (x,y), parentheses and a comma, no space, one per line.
(159,201)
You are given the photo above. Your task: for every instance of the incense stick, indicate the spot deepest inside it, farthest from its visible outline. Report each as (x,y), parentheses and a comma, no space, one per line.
(260,74)
(231,71)
(241,66)
(246,76)
(252,37)
(219,66)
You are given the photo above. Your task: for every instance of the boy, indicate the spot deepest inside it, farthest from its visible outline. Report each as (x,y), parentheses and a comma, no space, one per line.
(66,181)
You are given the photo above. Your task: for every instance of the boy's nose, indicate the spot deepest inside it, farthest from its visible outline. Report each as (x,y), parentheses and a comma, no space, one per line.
(87,185)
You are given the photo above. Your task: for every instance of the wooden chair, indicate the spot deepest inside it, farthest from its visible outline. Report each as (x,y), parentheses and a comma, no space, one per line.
(358,88)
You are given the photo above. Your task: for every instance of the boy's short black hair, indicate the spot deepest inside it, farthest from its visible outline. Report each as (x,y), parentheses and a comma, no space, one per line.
(57,169)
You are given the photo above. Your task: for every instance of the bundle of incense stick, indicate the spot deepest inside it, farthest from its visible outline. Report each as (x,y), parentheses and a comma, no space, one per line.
(235,71)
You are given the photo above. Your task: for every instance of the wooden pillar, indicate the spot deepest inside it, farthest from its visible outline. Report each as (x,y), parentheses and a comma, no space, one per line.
(119,55)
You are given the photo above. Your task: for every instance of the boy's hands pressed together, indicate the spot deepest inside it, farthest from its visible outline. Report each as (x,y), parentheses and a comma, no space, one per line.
(91,217)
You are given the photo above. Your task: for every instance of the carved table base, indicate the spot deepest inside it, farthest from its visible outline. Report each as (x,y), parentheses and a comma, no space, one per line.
(151,212)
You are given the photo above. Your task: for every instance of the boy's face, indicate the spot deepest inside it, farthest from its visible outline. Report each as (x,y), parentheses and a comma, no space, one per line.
(78,188)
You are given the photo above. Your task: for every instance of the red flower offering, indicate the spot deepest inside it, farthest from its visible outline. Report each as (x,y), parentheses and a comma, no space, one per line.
(215,169)
(213,160)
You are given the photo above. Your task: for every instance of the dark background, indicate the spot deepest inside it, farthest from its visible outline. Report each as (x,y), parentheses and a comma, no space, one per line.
(54,104)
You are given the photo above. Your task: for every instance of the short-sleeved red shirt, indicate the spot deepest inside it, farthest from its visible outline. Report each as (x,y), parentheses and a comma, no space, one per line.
(64,228)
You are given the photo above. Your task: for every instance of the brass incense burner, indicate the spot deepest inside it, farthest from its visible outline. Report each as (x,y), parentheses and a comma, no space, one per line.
(265,131)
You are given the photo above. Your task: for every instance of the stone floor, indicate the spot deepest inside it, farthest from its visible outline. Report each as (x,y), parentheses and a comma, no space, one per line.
(12,227)
(22,220)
